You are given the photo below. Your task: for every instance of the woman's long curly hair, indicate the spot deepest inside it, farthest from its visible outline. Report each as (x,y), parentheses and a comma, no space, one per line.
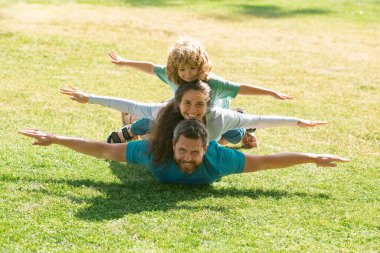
(161,138)
(187,51)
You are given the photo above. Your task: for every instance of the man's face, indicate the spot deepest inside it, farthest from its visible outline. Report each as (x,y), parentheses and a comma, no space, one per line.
(188,153)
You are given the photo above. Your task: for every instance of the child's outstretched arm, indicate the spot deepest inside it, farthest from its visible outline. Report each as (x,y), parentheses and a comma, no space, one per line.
(146,67)
(246,89)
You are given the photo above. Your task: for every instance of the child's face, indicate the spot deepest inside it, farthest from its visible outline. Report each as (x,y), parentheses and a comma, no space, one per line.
(188,72)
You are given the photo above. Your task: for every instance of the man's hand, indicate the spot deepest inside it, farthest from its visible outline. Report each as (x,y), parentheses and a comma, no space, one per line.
(42,139)
(326,160)
(75,94)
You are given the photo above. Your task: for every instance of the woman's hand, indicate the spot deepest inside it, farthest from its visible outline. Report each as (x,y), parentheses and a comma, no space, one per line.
(310,123)
(75,94)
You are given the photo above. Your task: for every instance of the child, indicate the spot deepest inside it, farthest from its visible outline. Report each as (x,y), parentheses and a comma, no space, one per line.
(188,61)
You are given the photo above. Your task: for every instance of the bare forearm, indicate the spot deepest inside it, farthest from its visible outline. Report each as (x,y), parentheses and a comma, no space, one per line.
(246,89)
(276,161)
(146,67)
(80,145)
(91,148)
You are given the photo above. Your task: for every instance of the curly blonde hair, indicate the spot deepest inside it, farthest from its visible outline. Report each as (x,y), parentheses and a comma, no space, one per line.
(187,51)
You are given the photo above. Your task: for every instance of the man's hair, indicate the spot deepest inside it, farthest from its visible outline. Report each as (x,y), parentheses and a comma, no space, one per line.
(187,51)
(161,138)
(192,129)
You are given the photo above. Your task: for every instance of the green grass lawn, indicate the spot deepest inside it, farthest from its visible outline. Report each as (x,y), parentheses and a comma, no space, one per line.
(325,53)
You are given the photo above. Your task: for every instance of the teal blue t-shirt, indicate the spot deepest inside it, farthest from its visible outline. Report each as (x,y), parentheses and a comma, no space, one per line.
(222,90)
(217,162)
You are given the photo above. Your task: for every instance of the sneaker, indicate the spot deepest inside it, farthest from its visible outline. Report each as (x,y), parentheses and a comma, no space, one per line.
(250,139)
(127,118)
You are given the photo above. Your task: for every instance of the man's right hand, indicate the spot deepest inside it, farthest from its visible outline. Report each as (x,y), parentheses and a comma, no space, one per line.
(41,138)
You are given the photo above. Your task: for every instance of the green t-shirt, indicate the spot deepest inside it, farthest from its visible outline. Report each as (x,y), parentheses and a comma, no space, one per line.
(221,90)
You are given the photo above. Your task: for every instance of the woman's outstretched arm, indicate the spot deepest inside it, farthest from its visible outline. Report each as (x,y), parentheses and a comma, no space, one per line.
(139,109)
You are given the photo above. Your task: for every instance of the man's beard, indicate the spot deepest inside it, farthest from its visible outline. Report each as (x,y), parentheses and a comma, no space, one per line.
(187,167)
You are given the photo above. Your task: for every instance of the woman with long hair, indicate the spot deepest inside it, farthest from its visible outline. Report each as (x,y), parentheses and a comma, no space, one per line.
(190,101)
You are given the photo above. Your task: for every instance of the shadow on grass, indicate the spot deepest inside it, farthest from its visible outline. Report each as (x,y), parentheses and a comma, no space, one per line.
(156,3)
(272,11)
(258,10)
(138,191)
(6,34)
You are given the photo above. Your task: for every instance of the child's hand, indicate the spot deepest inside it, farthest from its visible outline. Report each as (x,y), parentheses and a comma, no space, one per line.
(75,94)
(116,59)
(282,96)
(310,123)
(42,139)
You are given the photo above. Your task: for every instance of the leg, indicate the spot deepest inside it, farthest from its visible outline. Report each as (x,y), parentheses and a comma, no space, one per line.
(141,126)
(249,139)
(130,131)
(234,136)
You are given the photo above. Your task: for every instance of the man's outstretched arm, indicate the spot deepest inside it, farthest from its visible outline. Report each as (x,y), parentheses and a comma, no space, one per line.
(115,152)
(283,160)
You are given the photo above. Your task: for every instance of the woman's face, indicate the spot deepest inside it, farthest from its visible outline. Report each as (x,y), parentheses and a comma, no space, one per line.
(188,72)
(193,105)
